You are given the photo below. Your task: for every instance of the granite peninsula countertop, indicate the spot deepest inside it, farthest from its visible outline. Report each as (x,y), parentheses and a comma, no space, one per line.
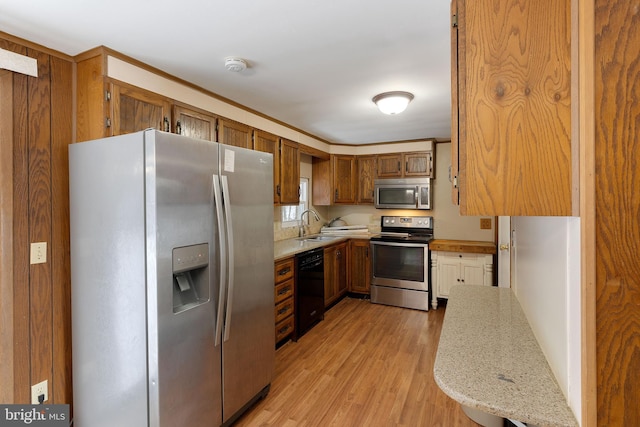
(290,247)
(488,359)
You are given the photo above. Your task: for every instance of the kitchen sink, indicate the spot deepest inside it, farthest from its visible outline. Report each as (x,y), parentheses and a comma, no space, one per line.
(317,238)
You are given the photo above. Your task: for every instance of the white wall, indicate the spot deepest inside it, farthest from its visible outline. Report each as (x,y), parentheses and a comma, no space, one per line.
(546,281)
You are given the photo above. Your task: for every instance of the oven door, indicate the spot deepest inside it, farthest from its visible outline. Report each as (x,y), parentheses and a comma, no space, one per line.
(400,265)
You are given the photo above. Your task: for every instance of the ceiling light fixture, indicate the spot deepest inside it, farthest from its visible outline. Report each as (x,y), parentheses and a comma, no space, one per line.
(392,102)
(235,64)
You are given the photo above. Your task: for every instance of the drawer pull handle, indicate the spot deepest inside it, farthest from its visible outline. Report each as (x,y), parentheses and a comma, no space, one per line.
(284,291)
(284,271)
(283,330)
(283,310)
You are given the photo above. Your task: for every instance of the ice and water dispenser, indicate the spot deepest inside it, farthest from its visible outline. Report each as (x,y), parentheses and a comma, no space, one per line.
(190,276)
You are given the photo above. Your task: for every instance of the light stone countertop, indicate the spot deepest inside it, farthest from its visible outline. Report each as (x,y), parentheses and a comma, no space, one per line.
(488,359)
(290,247)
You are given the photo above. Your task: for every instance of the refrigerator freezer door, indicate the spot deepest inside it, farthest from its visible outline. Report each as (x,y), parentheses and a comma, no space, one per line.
(106,191)
(184,364)
(249,346)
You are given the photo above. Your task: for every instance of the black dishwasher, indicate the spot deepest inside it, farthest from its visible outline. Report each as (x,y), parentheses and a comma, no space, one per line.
(309,294)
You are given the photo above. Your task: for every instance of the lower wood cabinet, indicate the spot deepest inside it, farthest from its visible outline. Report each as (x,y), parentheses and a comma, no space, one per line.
(335,272)
(284,298)
(458,268)
(359,266)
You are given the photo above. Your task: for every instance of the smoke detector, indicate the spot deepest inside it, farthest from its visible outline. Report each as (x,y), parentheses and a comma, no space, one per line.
(235,64)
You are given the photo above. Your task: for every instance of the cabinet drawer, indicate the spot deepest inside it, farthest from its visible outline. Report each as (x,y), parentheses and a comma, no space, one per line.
(284,328)
(284,270)
(284,291)
(284,309)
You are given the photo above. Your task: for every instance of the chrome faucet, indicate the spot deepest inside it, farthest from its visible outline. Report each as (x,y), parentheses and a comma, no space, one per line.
(301,230)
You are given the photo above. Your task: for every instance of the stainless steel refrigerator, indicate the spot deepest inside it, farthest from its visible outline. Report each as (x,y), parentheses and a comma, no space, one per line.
(172,280)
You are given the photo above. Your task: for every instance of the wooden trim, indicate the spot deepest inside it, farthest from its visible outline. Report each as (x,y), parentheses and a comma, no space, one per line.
(585,10)
(426,139)
(39,221)
(6,236)
(61,137)
(31,45)
(313,152)
(21,238)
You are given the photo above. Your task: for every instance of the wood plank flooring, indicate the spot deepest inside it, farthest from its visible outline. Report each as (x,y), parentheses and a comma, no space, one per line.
(363,365)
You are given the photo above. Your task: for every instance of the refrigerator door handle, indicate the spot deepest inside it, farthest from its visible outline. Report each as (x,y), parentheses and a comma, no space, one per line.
(229,228)
(217,201)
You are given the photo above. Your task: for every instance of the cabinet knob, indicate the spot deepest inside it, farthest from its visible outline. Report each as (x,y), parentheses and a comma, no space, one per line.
(504,247)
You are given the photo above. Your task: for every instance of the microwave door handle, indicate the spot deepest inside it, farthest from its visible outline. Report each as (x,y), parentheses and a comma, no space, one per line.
(416,196)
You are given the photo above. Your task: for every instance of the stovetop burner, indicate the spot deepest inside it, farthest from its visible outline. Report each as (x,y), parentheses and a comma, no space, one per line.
(414,229)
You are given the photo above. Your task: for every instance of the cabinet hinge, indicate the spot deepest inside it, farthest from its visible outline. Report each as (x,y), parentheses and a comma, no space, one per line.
(107,95)
(455,182)
(454,21)
(107,122)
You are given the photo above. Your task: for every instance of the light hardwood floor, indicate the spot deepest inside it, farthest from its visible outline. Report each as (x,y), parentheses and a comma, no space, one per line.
(363,365)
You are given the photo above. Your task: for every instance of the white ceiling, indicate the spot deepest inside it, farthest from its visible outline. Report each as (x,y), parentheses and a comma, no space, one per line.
(313,64)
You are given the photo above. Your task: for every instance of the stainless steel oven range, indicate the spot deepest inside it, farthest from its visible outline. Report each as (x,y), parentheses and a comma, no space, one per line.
(400,262)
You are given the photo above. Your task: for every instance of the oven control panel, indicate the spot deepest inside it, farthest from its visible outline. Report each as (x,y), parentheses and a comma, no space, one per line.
(407,221)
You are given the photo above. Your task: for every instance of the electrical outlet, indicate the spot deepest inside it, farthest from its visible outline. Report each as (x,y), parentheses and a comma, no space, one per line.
(40,389)
(485,223)
(38,253)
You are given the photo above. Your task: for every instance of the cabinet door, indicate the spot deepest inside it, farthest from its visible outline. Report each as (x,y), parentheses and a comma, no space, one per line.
(269,143)
(367,167)
(516,155)
(234,133)
(455,129)
(344,179)
(192,123)
(359,266)
(448,274)
(289,172)
(472,271)
(390,165)
(418,164)
(341,269)
(135,109)
(330,268)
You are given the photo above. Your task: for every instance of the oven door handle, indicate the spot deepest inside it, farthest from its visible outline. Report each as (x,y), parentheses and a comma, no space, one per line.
(404,245)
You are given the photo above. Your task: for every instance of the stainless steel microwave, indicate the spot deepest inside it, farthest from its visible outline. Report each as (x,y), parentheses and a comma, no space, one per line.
(409,193)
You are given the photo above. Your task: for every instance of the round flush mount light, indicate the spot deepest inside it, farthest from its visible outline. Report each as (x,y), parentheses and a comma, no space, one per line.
(235,64)
(392,102)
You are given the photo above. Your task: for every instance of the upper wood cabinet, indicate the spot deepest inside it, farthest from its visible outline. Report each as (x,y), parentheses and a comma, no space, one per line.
(234,133)
(406,165)
(270,143)
(367,172)
(334,180)
(344,179)
(134,109)
(286,166)
(289,190)
(511,132)
(193,123)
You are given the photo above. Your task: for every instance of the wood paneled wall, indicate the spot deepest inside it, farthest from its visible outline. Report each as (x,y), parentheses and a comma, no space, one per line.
(617,198)
(36,340)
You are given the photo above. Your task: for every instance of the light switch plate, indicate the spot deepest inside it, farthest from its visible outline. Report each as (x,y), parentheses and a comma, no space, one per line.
(38,253)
